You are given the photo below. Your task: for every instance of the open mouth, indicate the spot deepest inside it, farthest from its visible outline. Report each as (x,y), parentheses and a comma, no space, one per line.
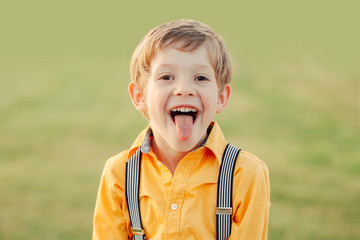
(189,111)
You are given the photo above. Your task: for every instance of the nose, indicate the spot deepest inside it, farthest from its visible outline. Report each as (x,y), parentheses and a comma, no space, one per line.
(184,88)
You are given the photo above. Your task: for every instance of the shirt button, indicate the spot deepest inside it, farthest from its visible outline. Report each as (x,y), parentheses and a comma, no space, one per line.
(173,206)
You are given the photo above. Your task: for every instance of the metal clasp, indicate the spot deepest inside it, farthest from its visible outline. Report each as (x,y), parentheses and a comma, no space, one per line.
(224,211)
(138,231)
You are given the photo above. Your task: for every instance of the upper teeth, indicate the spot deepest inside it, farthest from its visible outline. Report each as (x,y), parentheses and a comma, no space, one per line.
(184,109)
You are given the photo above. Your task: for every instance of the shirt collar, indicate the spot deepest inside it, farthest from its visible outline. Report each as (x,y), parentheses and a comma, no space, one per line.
(215,141)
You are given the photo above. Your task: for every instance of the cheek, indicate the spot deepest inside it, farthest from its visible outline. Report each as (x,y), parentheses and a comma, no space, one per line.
(210,103)
(156,103)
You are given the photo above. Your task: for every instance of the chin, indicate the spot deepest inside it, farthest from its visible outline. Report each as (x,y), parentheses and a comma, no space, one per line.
(186,146)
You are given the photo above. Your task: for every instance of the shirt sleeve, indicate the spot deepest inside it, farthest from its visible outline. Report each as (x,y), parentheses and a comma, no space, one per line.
(109,220)
(252,203)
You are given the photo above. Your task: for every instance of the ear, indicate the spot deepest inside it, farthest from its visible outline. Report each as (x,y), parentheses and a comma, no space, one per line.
(137,97)
(223,99)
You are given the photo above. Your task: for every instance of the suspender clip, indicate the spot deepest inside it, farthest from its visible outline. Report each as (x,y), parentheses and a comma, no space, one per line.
(224,211)
(138,231)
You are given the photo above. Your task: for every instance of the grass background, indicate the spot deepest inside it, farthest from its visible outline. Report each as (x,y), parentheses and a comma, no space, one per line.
(64,107)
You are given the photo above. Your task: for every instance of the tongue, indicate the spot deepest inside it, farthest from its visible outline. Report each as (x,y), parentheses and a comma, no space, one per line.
(184,126)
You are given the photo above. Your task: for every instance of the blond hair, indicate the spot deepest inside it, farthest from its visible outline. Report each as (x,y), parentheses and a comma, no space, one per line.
(187,35)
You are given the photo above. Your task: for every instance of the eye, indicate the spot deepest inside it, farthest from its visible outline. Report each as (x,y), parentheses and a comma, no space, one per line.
(201,78)
(166,77)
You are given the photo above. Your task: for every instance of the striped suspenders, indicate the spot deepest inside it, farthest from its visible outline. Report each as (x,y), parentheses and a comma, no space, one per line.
(224,195)
(132,184)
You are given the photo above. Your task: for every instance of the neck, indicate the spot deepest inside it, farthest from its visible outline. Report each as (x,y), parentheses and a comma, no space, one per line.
(169,158)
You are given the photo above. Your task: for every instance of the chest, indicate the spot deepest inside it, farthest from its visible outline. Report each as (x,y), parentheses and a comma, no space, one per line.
(183,203)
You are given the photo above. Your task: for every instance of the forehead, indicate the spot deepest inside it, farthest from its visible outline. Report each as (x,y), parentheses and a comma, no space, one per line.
(173,56)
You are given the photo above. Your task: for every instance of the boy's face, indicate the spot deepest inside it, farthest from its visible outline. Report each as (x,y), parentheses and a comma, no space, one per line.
(181,98)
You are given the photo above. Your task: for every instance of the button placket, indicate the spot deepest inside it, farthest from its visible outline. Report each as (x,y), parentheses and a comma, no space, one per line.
(176,196)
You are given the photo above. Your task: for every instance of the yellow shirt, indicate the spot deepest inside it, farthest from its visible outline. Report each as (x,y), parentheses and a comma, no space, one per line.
(183,205)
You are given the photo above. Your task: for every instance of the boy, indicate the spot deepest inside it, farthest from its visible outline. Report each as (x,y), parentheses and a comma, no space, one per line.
(180,78)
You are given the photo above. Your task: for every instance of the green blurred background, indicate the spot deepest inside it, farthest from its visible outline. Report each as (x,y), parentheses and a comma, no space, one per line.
(64,107)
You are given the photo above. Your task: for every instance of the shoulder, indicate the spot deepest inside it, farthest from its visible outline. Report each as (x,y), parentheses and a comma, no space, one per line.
(118,159)
(115,167)
(249,162)
(249,169)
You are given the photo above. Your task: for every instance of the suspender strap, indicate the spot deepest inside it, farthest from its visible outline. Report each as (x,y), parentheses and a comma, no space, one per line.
(132,184)
(224,195)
